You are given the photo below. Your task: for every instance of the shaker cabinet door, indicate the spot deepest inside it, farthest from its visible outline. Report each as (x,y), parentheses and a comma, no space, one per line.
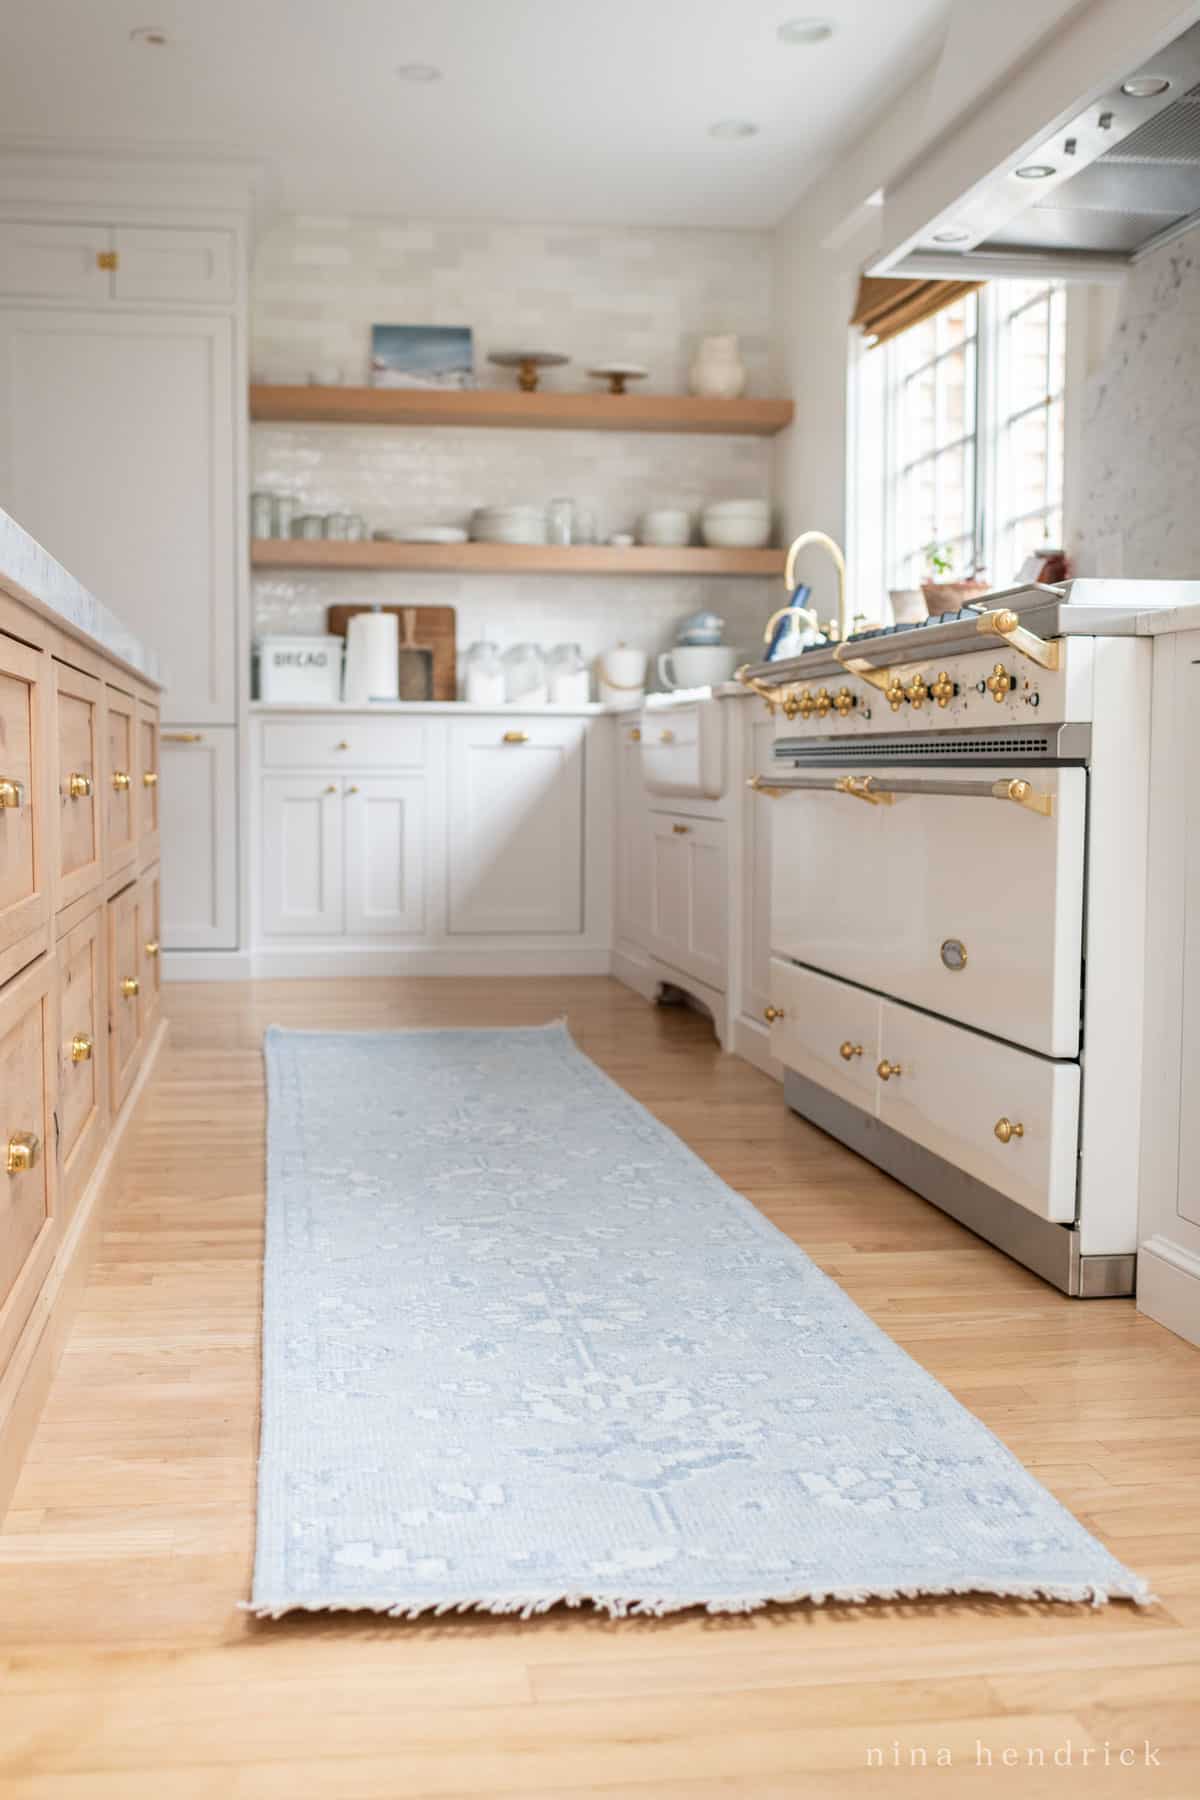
(197,798)
(633,846)
(302,856)
(516,825)
(687,896)
(386,868)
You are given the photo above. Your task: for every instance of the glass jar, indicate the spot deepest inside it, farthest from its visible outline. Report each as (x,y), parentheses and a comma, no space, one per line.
(308,525)
(567,676)
(525,676)
(262,515)
(560,522)
(483,675)
(283,513)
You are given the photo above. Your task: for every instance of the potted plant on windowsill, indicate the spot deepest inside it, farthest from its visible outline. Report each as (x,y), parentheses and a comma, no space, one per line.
(942,593)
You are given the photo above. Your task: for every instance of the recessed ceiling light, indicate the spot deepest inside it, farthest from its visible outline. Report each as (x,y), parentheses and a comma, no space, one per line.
(733,128)
(151,35)
(805,31)
(951,237)
(1035,172)
(418,72)
(1145,87)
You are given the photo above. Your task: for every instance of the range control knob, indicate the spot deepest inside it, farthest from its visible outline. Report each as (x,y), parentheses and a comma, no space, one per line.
(806,705)
(917,692)
(824,702)
(1000,683)
(845,702)
(894,693)
(943,689)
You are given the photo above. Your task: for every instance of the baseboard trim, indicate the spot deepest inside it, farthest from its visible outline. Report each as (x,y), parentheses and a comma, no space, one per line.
(635,972)
(334,962)
(1169,1286)
(26,1381)
(752,1042)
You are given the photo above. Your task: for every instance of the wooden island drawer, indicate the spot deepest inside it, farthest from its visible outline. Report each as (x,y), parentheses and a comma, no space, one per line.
(147,783)
(24,884)
(149,950)
(28,1221)
(120,776)
(124,992)
(78,716)
(82,1054)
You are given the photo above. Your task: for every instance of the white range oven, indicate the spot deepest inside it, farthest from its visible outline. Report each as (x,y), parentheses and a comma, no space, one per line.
(958,911)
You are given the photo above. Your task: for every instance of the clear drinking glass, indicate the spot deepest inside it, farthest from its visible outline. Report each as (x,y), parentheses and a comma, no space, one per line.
(560,522)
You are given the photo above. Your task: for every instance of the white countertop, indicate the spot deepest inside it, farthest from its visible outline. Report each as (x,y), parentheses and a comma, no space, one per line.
(395,708)
(30,573)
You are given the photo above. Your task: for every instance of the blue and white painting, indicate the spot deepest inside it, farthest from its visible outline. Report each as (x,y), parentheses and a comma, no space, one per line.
(422,356)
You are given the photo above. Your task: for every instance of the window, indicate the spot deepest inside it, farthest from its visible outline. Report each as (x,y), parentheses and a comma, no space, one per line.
(958,440)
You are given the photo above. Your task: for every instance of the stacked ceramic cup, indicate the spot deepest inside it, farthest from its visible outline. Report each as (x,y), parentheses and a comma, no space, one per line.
(736,524)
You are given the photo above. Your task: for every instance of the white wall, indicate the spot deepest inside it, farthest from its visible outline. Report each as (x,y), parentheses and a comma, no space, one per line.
(637,295)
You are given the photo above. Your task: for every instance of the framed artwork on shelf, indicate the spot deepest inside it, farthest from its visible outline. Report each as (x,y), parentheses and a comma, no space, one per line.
(422,356)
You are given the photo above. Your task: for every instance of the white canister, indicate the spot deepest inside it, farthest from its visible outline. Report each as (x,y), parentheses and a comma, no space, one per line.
(308,669)
(621,676)
(717,369)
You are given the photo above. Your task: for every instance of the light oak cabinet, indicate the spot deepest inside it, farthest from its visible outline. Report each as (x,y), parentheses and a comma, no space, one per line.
(515,814)
(688,912)
(149,950)
(25,865)
(29,1223)
(146,782)
(124,987)
(197,793)
(79,729)
(120,780)
(82,1052)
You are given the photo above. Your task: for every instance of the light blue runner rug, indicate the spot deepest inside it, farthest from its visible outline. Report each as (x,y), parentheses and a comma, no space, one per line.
(522,1347)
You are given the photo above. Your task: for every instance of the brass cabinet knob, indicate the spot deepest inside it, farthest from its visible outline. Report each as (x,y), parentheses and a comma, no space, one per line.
(681,830)
(894,693)
(130,987)
(849,1051)
(81,1047)
(332,788)
(666,737)
(22,1152)
(1005,1130)
(916,692)
(845,702)
(79,786)
(521,737)
(943,689)
(885,1070)
(771,1013)
(342,746)
(1000,683)
(150,778)
(12,793)
(120,780)
(353,788)
(635,736)
(151,947)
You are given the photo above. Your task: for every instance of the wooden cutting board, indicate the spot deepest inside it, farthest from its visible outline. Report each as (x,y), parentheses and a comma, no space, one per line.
(434,626)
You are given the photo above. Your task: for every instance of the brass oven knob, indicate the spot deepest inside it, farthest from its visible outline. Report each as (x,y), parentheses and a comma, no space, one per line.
(885,1070)
(130,987)
(802,703)
(79,786)
(22,1152)
(917,692)
(1000,683)
(894,693)
(823,702)
(849,1051)
(81,1047)
(942,690)
(1006,1130)
(120,781)
(845,702)
(771,1013)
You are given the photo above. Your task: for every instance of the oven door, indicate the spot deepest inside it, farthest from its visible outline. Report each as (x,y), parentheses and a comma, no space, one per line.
(958,890)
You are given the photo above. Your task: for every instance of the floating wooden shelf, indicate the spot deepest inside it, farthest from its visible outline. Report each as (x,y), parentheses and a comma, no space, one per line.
(511,559)
(507,407)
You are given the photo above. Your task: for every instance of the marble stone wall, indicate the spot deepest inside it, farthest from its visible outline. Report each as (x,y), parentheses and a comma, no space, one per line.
(1139,449)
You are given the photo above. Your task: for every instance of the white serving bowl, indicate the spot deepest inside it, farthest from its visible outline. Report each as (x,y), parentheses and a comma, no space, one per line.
(667,528)
(729,509)
(748,533)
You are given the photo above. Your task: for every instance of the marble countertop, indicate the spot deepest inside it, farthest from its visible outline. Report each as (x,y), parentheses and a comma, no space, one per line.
(585,709)
(30,573)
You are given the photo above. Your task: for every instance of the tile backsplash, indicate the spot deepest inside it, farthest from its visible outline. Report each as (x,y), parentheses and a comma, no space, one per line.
(637,295)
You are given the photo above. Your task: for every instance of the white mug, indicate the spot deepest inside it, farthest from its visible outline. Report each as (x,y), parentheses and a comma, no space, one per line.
(696,665)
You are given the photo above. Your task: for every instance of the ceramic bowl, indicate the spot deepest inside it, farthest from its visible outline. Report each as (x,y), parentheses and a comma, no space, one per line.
(752,532)
(667,528)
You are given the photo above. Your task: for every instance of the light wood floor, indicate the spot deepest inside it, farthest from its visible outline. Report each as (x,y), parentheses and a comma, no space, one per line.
(127,1672)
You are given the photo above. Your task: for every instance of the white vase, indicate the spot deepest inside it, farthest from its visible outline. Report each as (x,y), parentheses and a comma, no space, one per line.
(717,370)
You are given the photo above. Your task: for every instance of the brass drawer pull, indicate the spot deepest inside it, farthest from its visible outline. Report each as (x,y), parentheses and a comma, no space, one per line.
(849,1051)
(342,745)
(681,830)
(23,1149)
(635,736)
(130,987)
(515,737)
(120,781)
(81,1047)
(107,259)
(666,737)
(79,786)
(1006,1130)
(771,1013)
(150,778)
(885,1070)
(151,947)
(12,793)
(183,737)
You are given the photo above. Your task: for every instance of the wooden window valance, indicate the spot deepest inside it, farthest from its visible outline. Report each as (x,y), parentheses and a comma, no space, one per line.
(887,305)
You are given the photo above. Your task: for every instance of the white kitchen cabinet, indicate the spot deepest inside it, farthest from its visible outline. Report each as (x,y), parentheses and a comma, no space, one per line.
(385,836)
(688,909)
(197,809)
(117,448)
(757,812)
(102,263)
(303,856)
(515,815)
(633,841)
(157,264)
(826,1030)
(54,262)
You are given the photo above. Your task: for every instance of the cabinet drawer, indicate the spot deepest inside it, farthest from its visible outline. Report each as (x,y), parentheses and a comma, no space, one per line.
(78,716)
(82,1053)
(54,262)
(345,743)
(826,1030)
(683,750)
(24,886)
(120,777)
(955,1089)
(147,782)
(124,989)
(28,1219)
(149,958)
(154,263)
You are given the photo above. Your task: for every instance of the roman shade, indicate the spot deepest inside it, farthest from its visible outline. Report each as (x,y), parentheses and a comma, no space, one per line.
(887,306)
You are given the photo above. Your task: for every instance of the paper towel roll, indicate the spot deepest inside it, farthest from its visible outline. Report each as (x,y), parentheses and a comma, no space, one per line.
(372,657)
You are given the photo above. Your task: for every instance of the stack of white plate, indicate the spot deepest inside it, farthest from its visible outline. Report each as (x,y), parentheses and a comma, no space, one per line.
(736,524)
(509,525)
(667,527)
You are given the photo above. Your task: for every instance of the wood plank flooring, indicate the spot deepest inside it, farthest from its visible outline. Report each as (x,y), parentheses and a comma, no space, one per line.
(127,1671)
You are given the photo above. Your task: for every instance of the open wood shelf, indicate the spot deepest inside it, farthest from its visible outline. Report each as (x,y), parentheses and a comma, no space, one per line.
(511,559)
(508,407)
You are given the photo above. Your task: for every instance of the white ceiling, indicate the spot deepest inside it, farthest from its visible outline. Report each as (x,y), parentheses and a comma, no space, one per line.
(583,110)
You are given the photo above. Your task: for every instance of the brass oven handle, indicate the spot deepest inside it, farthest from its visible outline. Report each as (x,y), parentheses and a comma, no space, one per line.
(768,789)
(182,737)
(120,781)
(771,1013)
(515,737)
(862,787)
(1004,623)
(849,1051)
(81,1047)
(12,793)
(79,786)
(1006,1130)
(885,1069)
(22,1152)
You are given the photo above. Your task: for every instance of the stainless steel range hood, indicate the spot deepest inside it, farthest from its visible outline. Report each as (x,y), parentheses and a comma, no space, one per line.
(1116,181)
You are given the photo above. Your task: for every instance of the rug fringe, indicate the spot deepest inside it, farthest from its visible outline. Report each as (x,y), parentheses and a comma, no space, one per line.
(528,1606)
